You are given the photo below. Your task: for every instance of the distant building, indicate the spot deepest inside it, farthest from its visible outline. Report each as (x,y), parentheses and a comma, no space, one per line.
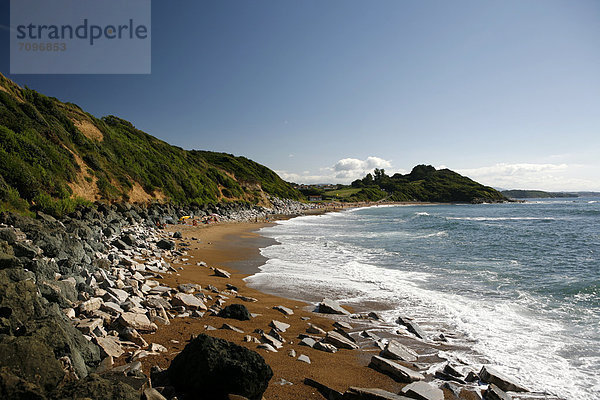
(315,198)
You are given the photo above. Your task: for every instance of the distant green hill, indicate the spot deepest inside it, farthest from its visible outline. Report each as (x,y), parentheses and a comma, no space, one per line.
(54,155)
(535,194)
(424,183)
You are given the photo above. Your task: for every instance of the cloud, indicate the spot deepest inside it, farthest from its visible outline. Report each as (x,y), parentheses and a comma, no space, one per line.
(343,171)
(551,177)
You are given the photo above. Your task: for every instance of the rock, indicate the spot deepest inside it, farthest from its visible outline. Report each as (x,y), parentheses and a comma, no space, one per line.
(472,377)
(304,358)
(326,391)
(315,330)
(188,288)
(152,394)
(276,335)
(105,365)
(267,346)
(345,334)
(328,306)
(188,301)
(177,235)
(235,311)
(111,308)
(165,244)
(109,346)
(231,328)
(279,326)
(412,326)
(396,351)
(490,375)
(329,348)
(121,295)
(247,299)
(215,367)
(493,392)
(157,348)
(422,391)
(342,325)
(133,336)
(88,326)
(309,342)
(136,321)
(339,341)
(265,338)
(96,387)
(222,273)
(292,353)
(370,335)
(284,310)
(395,370)
(90,305)
(355,393)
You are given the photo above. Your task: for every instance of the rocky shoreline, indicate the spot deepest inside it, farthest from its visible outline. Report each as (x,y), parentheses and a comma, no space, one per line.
(80,296)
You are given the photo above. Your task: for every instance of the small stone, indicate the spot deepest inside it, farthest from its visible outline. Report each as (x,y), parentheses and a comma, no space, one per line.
(329,348)
(284,310)
(222,273)
(231,328)
(267,347)
(304,358)
(292,353)
(157,348)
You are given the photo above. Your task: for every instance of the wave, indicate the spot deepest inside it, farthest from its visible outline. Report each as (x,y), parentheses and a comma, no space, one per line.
(502,218)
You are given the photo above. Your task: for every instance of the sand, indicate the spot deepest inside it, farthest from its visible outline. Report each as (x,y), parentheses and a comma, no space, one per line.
(235,247)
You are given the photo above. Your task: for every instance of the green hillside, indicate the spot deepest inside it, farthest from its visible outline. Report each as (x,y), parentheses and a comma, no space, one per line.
(54,155)
(424,183)
(534,194)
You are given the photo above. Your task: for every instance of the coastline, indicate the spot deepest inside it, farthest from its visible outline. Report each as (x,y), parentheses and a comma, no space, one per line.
(235,246)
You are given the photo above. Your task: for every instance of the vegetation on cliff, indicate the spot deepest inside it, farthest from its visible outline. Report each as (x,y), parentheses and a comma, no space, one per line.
(54,155)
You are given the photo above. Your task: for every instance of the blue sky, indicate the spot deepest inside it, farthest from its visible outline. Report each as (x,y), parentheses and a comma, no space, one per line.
(507,92)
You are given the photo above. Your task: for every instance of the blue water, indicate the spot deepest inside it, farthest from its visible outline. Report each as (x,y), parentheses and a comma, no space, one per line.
(518,283)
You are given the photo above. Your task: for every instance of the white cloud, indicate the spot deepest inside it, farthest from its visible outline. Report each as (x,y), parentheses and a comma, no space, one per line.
(343,171)
(552,177)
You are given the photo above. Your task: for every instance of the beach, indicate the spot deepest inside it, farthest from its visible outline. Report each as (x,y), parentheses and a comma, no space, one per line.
(235,246)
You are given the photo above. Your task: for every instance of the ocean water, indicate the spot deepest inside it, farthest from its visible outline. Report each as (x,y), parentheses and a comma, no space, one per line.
(518,283)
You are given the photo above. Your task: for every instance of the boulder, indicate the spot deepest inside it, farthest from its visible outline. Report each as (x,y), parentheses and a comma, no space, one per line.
(396,351)
(493,392)
(412,326)
(139,322)
(222,273)
(422,391)
(165,244)
(235,311)
(279,326)
(339,341)
(188,301)
(327,347)
(284,310)
(328,306)
(395,370)
(213,368)
(490,375)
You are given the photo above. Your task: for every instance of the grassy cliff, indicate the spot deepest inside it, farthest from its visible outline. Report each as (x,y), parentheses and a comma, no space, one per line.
(54,155)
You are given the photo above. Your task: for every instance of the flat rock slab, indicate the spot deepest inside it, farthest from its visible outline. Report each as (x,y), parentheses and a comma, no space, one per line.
(396,351)
(279,326)
(267,346)
(88,325)
(328,306)
(355,393)
(309,342)
(284,310)
(265,338)
(325,390)
(327,347)
(304,358)
(222,273)
(395,370)
(339,341)
(490,375)
(342,325)
(493,392)
(231,328)
(188,301)
(412,327)
(139,322)
(109,347)
(422,391)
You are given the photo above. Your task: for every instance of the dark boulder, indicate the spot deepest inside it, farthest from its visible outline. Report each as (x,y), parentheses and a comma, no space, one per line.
(95,387)
(165,244)
(213,368)
(235,311)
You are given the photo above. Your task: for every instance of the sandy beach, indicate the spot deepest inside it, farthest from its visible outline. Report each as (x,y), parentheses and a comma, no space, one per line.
(235,246)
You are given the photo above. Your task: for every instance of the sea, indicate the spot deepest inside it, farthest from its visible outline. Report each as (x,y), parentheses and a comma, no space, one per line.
(518,283)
